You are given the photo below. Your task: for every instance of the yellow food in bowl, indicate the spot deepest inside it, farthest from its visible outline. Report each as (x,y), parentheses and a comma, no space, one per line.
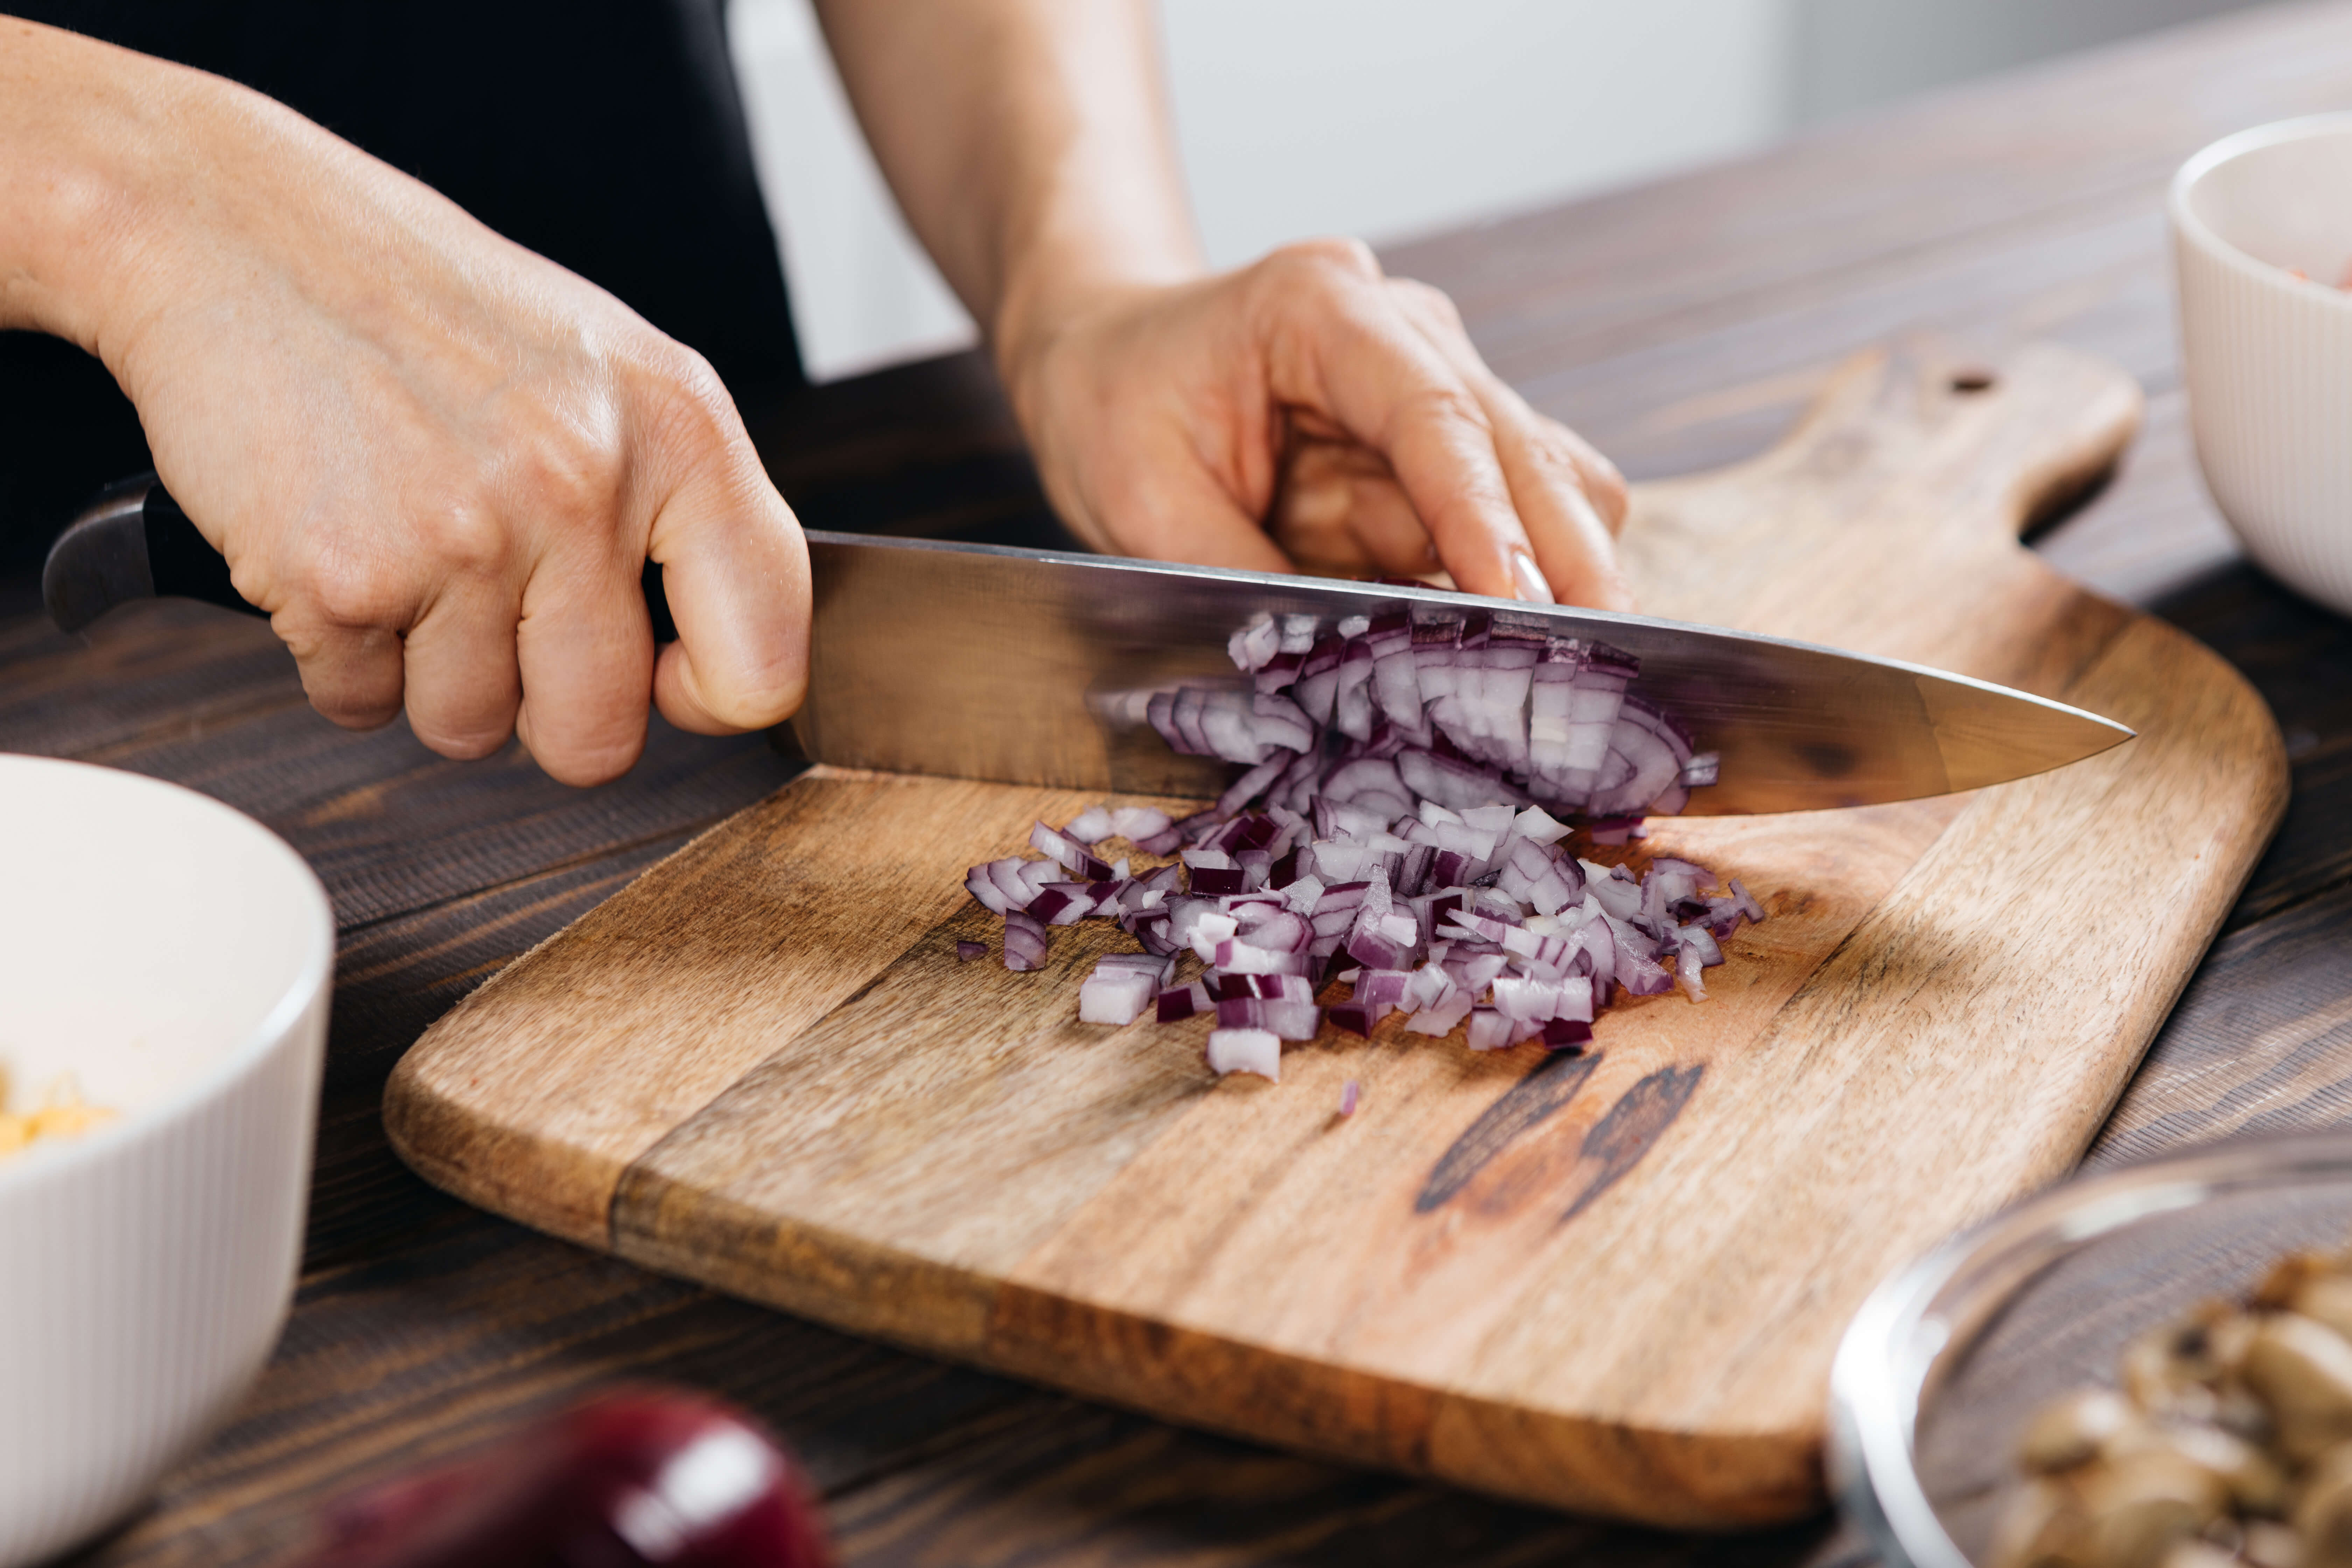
(62,1114)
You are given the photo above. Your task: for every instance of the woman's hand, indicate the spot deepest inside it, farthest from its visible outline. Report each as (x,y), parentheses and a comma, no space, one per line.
(1309,410)
(1306,410)
(439,461)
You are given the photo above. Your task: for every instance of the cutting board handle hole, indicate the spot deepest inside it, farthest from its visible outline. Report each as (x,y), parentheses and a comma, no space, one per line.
(1973,380)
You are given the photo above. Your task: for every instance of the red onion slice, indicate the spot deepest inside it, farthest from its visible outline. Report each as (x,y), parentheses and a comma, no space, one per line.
(1024,942)
(1136,822)
(1090,827)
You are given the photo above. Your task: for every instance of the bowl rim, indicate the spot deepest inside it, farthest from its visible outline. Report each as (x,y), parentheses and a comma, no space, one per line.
(1890,1346)
(55,1162)
(2229,149)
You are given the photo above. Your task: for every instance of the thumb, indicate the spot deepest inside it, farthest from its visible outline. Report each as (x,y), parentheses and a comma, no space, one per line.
(736,572)
(1171,508)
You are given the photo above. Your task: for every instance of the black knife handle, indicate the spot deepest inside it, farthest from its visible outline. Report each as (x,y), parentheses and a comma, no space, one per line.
(132,541)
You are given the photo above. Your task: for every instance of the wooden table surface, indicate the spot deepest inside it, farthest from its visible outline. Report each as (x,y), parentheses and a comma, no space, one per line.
(1680,324)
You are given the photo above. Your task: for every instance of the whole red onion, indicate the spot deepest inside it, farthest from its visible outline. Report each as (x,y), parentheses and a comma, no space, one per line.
(639,1475)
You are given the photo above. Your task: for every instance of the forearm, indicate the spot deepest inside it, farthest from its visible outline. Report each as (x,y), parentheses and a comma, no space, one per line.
(1027,140)
(131,188)
(70,119)
(102,155)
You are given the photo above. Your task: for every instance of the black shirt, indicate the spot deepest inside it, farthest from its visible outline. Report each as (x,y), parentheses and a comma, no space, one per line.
(605,134)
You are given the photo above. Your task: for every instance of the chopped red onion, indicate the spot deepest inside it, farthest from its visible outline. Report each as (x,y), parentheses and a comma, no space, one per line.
(1090,827)
(1566,1034)
(1245,1050)
(1024,942)
(1136,822)
(1350,1097)
(967,951)
(1400,814)
(1184,1002)
(1113,995)
(981,886)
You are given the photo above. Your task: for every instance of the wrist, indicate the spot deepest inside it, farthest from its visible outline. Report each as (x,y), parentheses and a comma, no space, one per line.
(1056,287)
(82,123)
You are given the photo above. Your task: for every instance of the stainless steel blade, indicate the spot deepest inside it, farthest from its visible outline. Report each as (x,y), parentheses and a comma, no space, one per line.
(1028,665)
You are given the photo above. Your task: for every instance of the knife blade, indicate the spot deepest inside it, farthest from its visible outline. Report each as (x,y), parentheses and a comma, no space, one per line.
(1033,666)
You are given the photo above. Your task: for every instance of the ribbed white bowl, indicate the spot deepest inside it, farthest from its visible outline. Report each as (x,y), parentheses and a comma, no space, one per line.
(2269,356)
(174,957)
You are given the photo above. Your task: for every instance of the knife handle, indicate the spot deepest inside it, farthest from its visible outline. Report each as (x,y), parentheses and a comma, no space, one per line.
(132,541)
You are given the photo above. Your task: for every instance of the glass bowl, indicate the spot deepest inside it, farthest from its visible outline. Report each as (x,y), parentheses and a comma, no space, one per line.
(1946,1361)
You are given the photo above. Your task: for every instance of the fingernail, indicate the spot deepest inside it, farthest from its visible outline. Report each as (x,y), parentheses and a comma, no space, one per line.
(1533,589)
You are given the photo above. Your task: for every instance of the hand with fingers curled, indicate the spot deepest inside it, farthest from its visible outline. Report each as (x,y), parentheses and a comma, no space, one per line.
(1309,412)
(437,460)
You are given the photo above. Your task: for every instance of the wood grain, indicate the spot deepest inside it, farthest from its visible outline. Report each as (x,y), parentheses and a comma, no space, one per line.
(763,1067)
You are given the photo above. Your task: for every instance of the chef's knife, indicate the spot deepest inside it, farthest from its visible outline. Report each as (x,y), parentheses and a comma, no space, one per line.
(1033,666)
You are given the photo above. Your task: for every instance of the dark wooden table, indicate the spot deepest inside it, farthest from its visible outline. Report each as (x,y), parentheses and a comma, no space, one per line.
(1680,325)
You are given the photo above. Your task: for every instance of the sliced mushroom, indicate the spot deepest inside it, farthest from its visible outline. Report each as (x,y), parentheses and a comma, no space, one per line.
(2323,1516)
(2302,1370)
(2287,1276)
(2042,1526)
(2070,1430)
(2325,1299)
(2269,1545)
(2141,1504)
(2199,1553)
(2170,1368)
(2255,1484)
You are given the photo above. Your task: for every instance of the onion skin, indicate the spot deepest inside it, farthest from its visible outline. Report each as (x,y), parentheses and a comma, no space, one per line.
(640,1475)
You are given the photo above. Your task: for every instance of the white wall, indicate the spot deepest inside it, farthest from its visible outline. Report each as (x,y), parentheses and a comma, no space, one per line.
(863,292)
(1381,118)
(1848,55)
(1388,118)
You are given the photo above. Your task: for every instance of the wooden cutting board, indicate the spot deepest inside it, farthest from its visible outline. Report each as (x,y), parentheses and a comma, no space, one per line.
(1610,1282)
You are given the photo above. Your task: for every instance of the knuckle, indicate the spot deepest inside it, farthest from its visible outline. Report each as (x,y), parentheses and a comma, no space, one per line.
(691,409)
(1609,494)
(1555,459)
(466,535)
(344,587)
(1427,302)
(568,470)
(1331,261)
(1444,406)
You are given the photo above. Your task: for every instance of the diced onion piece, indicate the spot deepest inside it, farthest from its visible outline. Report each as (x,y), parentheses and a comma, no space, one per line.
(1090,827)
(1245,1050)
(1136,822)
(1114,996)
(1024,942)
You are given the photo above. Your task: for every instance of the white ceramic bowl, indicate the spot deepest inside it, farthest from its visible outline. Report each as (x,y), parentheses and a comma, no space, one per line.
(174,957)
(2268,356)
